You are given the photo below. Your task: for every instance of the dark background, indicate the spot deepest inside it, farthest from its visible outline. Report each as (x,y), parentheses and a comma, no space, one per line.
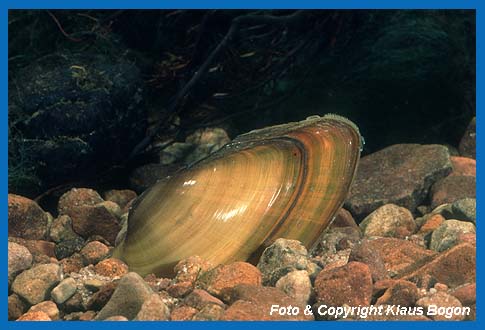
(126,79)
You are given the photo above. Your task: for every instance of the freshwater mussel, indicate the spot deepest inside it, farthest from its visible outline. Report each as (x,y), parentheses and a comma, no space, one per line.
(282,181)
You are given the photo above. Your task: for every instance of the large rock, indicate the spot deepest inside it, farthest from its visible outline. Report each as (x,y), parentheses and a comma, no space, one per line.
(400,292)
(452,267)
(48,307)
(371,256)
(61,230)
(26,219)
(16,306)
(198,299)
(464,166)
(452,188)
(94,252)
(153,309)
(35,284)
(250,302)
(128,298)
(70,110)
(19,259)
(350,284)
(400,256)
(400,174)
(34,316)
(90,214)
(225,277)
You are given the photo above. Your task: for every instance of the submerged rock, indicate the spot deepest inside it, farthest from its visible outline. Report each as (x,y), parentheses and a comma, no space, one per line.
(26,219)
(400,174)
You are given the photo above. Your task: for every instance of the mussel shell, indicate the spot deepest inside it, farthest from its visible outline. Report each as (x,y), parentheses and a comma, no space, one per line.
(281,181)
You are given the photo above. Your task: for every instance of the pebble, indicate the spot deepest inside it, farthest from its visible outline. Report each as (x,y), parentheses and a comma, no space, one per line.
(120,197)
(95,220)
(61,229)
(441,299)
(87,316)
(34,316)
(75,304)
(36,283)
(206,141)
(448,233)
(467,146)
(280,258)
(111,267)
(389,221)
(38,248)
(16,306)
(464,166)
(198,299)
(94,252)
(99,299)
(90,214)
(400,292)
(350,284)
(336,239)
(189,269)
(73,264)
(93,284)
(74,316)
(127,299)
(451,189)
(197,146)
(465,209)
(183,313)
(175,153)
(209,313)
(19,259)
(466,294)
(64,290)
(400,174)
(343,218)
(180,289)
(67,248)
(78,197)
(452,267)
(153,309)
(297,285)
(253,302)
(431,223)
(26,219)
(116,318)
(401,256)
(47,307)
(225,277)
(369,255)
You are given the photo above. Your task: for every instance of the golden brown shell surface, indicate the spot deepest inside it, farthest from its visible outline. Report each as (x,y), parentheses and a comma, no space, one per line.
(281,181)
